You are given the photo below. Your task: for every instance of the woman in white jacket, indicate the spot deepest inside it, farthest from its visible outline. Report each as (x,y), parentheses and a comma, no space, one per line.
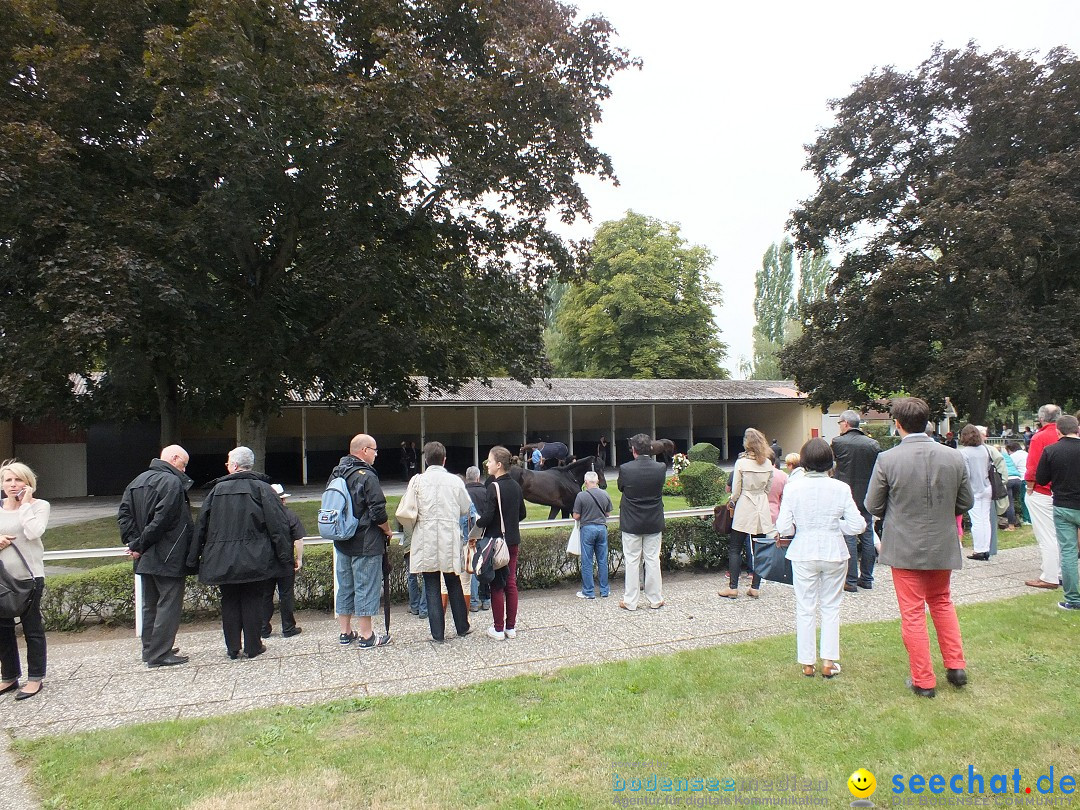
(433,506)
(819,511)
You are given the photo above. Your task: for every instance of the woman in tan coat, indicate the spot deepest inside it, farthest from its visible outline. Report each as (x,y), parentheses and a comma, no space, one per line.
(750,484)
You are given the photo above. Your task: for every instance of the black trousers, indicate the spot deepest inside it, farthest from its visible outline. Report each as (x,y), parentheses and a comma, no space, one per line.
(286,601)
(33,631)
(242,611)
(435,615)
(163,599)
(736,542)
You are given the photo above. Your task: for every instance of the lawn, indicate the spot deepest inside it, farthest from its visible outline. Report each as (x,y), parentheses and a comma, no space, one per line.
(103,532)
(739,712)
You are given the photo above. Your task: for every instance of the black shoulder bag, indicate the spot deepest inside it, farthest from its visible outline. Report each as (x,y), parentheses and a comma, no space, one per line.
(15,594)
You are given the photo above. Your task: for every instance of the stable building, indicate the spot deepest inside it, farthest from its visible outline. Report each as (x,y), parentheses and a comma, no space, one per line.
(308,437)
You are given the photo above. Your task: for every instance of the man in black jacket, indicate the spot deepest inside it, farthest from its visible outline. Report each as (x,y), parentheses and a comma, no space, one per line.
(856,453)
(641,521)
(242,542)
(358,560)
(155,525)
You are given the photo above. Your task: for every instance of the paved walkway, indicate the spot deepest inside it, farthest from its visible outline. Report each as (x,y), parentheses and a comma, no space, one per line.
(102,683)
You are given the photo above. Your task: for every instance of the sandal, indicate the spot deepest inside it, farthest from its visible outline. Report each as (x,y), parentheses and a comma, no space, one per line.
(808,670)
(831,669)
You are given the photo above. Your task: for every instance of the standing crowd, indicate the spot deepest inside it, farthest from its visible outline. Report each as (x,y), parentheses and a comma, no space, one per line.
(837,509)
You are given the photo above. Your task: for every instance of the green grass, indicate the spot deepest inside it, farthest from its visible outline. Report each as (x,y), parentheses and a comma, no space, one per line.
(103,532)
(740,711)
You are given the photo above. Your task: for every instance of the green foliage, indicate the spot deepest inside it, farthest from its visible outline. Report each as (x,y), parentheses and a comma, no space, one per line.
(643,309)
(341,191)
(704,451)
(952,190)
(703,484)
(673,486)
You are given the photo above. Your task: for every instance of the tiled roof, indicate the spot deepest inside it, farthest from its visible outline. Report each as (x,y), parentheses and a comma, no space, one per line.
(573,391)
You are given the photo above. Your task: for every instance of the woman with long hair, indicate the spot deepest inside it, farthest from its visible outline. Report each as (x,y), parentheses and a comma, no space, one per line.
(504,510)
(751,482)
(23,520)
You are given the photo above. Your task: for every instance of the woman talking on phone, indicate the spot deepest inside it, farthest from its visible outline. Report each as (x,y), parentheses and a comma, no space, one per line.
(23,519)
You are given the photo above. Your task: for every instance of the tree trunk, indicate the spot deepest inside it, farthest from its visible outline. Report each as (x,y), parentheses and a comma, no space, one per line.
(168,396)
(252,427)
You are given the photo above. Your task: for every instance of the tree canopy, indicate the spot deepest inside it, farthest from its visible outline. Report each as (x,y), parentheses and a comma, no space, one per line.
(954,193)
(643,309)
(217,201)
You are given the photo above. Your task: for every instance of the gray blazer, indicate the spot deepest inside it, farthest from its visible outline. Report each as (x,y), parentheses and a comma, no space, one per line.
(918,488)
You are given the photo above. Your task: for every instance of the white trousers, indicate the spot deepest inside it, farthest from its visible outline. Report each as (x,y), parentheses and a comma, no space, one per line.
(636,546)
(818,585)
(980,521)
(1041,509)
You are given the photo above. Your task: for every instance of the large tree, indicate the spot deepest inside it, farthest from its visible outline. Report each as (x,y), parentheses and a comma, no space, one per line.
(246,198)
(643,310)
(954,193)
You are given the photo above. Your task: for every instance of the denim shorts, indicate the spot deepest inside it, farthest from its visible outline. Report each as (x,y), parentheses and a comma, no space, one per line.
(359,581)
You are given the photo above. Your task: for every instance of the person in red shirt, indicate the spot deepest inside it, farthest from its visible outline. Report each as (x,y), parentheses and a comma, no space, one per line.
(1040,502)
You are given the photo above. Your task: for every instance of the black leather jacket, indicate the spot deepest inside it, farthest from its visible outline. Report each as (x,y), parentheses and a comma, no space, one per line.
(856,453)
(155,520)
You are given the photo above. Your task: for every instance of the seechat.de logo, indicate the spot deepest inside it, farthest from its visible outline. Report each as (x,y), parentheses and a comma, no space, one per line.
(862,785)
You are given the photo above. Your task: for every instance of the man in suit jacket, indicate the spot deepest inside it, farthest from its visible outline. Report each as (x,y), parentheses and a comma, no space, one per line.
(641,521)
(918,488)
(856,454)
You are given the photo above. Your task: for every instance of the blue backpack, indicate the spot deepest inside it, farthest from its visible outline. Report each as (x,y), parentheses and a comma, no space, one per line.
(336,519)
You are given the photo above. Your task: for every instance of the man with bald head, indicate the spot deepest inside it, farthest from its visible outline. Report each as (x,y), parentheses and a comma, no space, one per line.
(156,526)
(358,560)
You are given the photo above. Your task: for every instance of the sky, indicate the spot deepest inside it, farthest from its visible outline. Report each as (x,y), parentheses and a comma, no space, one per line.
(711,132)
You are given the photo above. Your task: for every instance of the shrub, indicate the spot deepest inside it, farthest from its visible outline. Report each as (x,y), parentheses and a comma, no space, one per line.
(703,451)
(673,486)
(106,594)
(703,484)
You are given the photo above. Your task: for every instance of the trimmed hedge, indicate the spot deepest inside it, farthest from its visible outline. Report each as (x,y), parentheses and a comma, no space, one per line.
(105,594)
(703,484)
(703,451)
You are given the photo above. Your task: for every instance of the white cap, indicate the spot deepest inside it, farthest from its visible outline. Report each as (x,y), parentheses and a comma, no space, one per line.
(280,490)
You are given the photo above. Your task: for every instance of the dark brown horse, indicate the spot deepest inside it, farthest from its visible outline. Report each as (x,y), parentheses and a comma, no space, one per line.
(559,486)
(663,449)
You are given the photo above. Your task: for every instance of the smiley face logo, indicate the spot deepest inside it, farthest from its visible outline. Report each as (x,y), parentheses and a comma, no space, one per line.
(862,784)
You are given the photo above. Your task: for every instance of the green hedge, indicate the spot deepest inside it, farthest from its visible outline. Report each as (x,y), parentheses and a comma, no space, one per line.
(703,451)
(703,484)
(105,594)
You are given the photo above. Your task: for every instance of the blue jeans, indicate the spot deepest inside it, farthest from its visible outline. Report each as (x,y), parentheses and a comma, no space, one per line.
(594,546)
(417,603)
(862,553)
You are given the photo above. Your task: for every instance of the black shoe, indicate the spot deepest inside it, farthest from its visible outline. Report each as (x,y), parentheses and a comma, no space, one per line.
(467,631)
(13,686)
(919,690)
(168,661)
(260,651)
(21,695)
(981,556)
(267,631)
(290,633)
(957,677)
(234,654)
(869,587)
(374,641)
(851,589)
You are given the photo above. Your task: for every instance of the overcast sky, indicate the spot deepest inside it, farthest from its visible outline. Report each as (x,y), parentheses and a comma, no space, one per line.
(710,133)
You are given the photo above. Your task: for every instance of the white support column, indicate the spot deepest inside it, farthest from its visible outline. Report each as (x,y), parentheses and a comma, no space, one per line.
(475,437)
(571,409)
(690,428)
(524,425)
(614,463)
(423,435)
(726,453)
(652,430)
(365,420)
(303,445)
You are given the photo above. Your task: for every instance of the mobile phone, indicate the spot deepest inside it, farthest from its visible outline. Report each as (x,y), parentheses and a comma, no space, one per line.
(19,494)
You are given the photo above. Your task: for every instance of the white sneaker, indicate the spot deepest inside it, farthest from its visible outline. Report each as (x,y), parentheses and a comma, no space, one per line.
(498,635)
(581,595)
(510,632)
